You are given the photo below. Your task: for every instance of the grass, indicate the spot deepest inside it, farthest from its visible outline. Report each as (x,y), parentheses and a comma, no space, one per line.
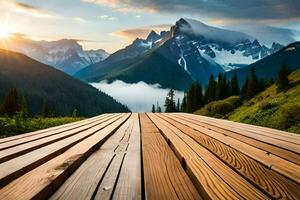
(10,126)
(279,110)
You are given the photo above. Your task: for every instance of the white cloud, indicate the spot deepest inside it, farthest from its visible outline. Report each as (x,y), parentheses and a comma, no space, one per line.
(79,19)
(106,17)
(10,6)
(102,17)
(139,97)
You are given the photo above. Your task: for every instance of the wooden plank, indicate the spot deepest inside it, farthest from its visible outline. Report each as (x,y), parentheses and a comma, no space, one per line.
(283,147)
(229,177)
(85,180)
(21,136)
(278,134)
(45,134)
(275,185)
(164,178)
(110,180)
(105,190)
(16,167)
(265,146)
(129,182)
(41,182)
(273,162)
(21,149)
(253,130)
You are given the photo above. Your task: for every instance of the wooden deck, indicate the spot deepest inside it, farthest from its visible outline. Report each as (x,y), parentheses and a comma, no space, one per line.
(151,156)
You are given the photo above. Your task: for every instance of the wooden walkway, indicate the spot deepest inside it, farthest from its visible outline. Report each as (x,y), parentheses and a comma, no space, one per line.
(151,156)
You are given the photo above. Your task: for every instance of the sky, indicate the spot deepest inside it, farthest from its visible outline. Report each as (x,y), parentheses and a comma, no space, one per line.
(113,24)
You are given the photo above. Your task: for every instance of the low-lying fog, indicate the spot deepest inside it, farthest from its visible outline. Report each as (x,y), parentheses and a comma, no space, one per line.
(139,97)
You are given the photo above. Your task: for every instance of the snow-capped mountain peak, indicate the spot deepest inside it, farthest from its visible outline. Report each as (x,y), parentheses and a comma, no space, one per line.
(213,34)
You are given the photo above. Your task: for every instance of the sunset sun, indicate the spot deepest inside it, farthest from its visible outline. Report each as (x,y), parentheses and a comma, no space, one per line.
(5,31)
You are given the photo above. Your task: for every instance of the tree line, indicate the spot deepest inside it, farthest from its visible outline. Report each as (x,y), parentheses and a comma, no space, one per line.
(196,97)
(15,103)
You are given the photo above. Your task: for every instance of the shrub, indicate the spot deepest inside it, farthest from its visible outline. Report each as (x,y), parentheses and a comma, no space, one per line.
(289,116)
(221,108)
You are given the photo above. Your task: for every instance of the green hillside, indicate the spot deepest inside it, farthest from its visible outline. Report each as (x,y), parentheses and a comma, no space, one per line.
(38,82)
(279,110)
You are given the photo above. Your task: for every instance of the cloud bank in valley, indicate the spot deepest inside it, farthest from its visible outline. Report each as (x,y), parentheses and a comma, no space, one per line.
(139,97)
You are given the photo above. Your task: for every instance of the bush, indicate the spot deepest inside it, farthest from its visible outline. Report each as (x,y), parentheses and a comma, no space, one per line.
(220,109)
(289,117)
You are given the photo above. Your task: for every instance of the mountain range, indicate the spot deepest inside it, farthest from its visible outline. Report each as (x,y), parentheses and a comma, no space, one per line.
(269,67)
(189,51)
(66,55)
(39,82)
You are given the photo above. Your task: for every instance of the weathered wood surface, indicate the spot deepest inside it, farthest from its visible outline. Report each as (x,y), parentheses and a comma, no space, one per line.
(151,156)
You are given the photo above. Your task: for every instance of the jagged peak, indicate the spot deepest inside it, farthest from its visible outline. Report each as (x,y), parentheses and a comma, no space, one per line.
(152,36)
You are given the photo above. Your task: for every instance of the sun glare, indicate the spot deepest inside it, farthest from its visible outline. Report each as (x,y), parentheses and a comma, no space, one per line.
(5,31)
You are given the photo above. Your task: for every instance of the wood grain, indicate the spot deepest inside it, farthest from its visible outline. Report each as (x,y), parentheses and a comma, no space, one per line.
(41,182)
(129,185)
(226,177)
(286,150)
(278,134)
(272,183)
(24,148)
(16,167)
(163,175)
(151,156)
(273,162)
(87,178)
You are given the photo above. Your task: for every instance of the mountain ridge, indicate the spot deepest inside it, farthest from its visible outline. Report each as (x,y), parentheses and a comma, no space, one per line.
(66,54)
(183,47)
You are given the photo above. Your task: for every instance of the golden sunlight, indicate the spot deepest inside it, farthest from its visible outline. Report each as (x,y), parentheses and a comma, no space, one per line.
(5,31)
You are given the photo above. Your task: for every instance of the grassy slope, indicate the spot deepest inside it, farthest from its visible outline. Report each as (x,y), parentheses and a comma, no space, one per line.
(269,108)
(10,126)
(272,109)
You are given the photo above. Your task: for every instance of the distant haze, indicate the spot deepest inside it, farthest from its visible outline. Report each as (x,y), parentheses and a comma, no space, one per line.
(139,97)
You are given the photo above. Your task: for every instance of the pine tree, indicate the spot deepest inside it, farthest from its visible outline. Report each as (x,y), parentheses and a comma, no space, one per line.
(225,88)
(153,108)
(24,108)
(194,97)
(210,93)
(74,113)
(253,85)
(11,103)
(244,88)
(183,104)
(159,109)
(282,81)
(170,102)
(261,85)
(234,86)
(219,88)
(45,109)
(178,105)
